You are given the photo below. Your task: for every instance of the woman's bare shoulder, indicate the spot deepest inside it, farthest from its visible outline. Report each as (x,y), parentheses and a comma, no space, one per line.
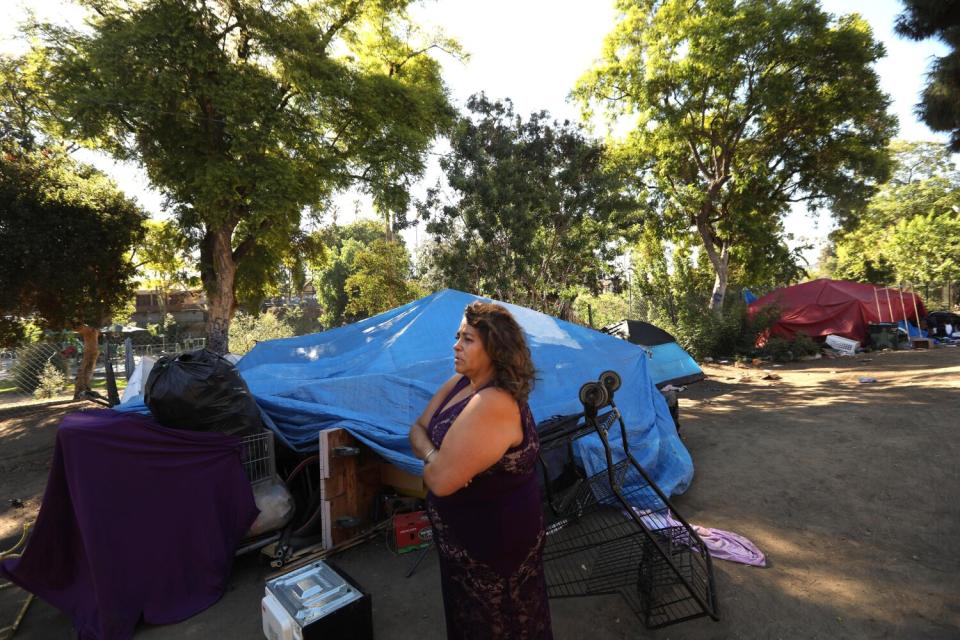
(495,399)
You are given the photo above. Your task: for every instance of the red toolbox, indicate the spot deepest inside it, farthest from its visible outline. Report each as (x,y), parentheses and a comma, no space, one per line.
(412,531)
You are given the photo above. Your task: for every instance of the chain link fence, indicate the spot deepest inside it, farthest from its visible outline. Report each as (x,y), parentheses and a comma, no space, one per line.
(47,370)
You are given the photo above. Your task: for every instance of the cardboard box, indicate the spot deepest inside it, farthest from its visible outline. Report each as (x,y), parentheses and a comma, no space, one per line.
(405,483)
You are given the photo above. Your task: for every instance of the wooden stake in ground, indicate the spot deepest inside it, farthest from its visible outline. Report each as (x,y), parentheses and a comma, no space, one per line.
(877,298)
(916,311)
(903,310)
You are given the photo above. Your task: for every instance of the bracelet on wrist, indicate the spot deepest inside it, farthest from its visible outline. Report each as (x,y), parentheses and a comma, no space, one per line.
(430,454)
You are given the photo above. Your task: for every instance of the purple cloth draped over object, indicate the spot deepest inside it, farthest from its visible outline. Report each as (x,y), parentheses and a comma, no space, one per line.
(137,520)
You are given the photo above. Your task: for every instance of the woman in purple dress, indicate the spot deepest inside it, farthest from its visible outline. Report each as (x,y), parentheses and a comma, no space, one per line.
(478,441)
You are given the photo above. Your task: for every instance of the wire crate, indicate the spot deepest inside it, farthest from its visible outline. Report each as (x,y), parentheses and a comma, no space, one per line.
(257,457)
(616,533)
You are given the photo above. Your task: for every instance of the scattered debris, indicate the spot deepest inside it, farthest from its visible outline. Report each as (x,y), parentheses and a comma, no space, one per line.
(867,379)
(770,376)
(16,503)
(708,359)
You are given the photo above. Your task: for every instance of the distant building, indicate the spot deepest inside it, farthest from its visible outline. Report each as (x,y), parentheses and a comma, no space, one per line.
(188,308)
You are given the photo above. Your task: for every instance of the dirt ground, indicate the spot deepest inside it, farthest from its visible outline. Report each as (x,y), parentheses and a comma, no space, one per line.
(851,489)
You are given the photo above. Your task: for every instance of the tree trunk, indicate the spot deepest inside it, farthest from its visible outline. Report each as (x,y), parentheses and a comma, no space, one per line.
(91,338)
(720,262)
(219,272)
(720,281)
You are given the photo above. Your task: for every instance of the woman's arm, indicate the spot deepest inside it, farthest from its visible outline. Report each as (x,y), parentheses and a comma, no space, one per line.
(419,440)
(477,439)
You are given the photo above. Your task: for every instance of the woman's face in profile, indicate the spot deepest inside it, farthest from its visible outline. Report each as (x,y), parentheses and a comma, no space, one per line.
(469,354)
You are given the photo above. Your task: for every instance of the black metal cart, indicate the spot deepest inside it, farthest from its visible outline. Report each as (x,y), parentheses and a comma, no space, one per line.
(616,532)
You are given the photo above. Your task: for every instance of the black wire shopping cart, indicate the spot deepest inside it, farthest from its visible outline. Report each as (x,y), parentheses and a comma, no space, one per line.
(616,532)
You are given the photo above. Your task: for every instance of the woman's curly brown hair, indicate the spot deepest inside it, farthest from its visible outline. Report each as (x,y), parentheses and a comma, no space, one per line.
(504,342)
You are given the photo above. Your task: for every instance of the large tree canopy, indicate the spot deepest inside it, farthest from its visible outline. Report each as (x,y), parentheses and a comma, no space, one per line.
(66,232)
(531,212)
(245,113)
(940,103)
(910,231)
(742,108)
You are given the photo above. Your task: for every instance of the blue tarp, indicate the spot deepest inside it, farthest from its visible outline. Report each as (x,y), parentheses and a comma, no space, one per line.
(911,330)
(667,362)
(670,364)
(375,377)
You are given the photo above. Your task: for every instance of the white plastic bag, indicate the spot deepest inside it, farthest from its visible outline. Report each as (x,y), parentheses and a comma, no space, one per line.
(276,507)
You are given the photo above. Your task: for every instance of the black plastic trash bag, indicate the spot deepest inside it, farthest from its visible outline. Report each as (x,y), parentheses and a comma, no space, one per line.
(201,391)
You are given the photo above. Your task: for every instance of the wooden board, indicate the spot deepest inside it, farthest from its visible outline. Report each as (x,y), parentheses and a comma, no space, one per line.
(349,486)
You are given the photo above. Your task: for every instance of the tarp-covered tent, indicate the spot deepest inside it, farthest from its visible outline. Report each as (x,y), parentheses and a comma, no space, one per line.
(667,363)
(374,378)
(823,307)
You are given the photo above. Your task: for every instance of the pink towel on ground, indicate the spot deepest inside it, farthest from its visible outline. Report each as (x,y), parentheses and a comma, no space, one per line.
(726,545)
(722,545)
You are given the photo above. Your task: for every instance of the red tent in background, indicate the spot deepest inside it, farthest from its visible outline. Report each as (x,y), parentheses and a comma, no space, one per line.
(823,307)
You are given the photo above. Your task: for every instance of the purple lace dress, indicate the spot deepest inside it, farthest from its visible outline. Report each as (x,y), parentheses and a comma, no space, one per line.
(490,539)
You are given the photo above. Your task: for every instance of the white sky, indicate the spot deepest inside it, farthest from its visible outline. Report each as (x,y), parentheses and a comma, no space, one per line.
(533,51)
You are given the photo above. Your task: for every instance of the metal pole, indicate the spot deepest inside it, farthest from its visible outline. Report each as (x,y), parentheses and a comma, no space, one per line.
(877,298)
(889,306)
(112,394)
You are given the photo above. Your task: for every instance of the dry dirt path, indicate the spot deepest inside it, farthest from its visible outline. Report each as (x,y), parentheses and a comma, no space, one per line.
(851,489)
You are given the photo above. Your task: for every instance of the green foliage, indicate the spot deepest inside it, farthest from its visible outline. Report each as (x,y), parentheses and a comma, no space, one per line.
(51,382)
(66,232)
(741,109)
(380,280)
(247,114)
(302,320)
(672,284)
(329,277)
(264,273)
(164,259)
(32,362)
(804,345)
(12,332)
(909,230)
(605,309)
(32,332)
(926,248)
(940,107)
(532,209)
(247,330)
(784,350)
(20,101)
